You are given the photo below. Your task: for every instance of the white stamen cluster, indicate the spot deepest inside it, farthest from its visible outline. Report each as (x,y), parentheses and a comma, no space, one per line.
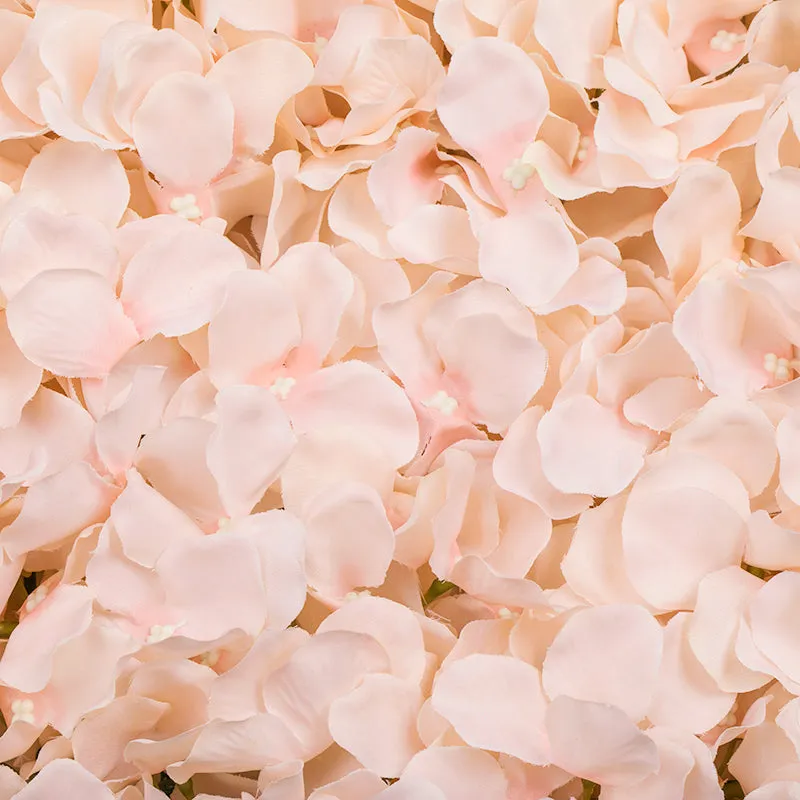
(22,711)
(779,368)
(724,41)
(442,402)
(518,173)
(282,386)
(186,207)
(158,633)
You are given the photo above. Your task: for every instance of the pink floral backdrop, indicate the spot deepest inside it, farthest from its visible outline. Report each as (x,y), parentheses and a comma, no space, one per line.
(399,399)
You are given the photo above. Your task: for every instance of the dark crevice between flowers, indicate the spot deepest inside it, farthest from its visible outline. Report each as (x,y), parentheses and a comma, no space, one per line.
(165,784)
(764,574)
(591,790)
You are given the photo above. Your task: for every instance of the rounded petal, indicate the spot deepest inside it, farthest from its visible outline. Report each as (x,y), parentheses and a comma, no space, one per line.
(251,443)
(599,742)
(350,539)
(587,449)
(21,378)
(532,253)
(71,323)
(631,643)
(463,772)
(68,778)
(496,703)
(684,519)
(377,723)
(355,394)
(261,77)
(183,130)
(772,614)
(60,172)
(176,284)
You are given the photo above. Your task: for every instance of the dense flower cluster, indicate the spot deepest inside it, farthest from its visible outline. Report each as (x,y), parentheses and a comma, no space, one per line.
(399,399)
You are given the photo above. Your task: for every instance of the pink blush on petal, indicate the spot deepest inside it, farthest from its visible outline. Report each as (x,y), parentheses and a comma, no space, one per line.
(717,44)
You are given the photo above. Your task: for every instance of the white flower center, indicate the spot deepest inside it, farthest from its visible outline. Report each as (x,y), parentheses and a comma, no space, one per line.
(36,598)
(724,41)
(779,368)
(442,402)
(583,148)
(506,613)
(517,173)
(22,711)
(282,386)
(158,633)
(186,207)
(350,596)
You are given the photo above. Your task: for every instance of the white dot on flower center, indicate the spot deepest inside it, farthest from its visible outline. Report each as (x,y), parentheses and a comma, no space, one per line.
(158,633)
(779,368)
(724,41)
(186,207)
(583,148)
(506,613)
(517,173)
(282,386)
(22,711)
(443,403)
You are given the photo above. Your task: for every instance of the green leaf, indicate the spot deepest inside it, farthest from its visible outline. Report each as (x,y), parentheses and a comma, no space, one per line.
(437,589)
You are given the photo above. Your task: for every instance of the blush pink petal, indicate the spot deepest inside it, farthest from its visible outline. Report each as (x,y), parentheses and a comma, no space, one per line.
(696,227)
(463,772)
(770,616)
(787,437)
(404,178)
(147,523)
(355,394)
(177,283)
(593,565)
(251,443)
(319,311)
(57,508)
(350,540)
(58,174)
(53,432)
(531,252)
(736,434)
(684,518)
(661,404)
(495,702)
(28,660)
(587,449)
(772,544)
(172,460)
(493,101)
(686,697)
(260,77)
(184,130)
(518,469)
(360,784)
(71,323)
(631,642)
(599,742)
(37,240)
(773,221)
(257,324)
(65,777)
(377,723)
(394,626)
(21,378)
(440,235)
(330,665)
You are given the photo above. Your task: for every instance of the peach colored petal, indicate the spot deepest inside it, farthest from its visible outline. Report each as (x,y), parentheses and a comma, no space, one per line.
(70,322)
(531,253)
(177,283)
(463,772)
(587,449)
(260,78)
(37,240)
(684,518)
(20,377)
(626,677)
(58,171)
(686,697)
(350,540)
(496,703)
(251,443)
(599,742)
(377,723)
(175,106)
(64,776)
(770,615)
